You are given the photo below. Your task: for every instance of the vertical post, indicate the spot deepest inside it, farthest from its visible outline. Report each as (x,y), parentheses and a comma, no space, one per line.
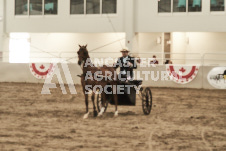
(84,7)
(101,6)
(43,7)
(2,20)
(163,45)
(129,24)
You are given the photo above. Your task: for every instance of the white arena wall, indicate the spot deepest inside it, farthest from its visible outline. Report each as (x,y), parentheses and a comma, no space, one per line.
(198,44)
(20,72)
(12,72)
(44,46)
(132,18)
(186,47)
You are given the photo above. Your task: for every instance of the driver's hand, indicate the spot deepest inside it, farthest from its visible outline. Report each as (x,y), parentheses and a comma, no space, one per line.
(130,64)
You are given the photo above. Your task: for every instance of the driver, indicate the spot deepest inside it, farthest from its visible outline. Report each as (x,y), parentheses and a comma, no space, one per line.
(126,64)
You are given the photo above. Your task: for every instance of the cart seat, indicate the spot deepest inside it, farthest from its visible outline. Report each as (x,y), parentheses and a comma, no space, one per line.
(136,82)
(133,82)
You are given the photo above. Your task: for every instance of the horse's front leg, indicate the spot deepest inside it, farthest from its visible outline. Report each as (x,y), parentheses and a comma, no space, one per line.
(86,97)
(94,107)
(87,105)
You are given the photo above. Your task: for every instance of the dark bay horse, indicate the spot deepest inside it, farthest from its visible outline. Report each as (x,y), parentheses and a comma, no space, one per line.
(87,67)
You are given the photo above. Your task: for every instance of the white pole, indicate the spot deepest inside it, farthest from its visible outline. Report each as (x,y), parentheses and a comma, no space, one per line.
(2,19)
(129,24)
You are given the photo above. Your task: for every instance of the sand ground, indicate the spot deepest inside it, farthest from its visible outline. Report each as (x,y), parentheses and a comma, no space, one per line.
(181,119)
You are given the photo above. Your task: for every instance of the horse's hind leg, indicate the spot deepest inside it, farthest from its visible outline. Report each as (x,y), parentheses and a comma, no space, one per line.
(103,95)
(116,104)
(94,107)
(115,97)
(87,109)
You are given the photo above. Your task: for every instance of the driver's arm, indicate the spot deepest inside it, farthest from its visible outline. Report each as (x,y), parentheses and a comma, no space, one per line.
(133,62)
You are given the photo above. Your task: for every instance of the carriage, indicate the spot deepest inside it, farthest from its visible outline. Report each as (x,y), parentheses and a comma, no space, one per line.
(128,96)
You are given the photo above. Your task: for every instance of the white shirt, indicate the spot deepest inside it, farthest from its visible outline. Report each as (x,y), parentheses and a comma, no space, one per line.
(124,61)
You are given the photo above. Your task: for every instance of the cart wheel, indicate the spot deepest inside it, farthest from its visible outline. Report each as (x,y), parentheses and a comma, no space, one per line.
(147,101)
(99,103)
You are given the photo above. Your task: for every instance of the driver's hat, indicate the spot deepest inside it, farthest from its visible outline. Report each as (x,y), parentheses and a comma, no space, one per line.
(124,50)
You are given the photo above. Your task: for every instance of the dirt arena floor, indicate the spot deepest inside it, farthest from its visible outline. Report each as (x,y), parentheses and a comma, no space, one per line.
(181,119)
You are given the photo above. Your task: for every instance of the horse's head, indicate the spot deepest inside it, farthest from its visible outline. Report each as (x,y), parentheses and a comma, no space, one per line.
(82,54)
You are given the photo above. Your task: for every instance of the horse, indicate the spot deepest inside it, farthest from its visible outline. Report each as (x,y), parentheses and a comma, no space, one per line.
(87,66)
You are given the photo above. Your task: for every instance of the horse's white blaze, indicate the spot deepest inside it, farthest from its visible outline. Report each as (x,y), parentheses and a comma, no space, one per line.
(82,64)
(86,116)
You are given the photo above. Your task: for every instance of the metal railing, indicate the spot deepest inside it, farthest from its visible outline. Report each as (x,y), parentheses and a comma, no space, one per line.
(216,59)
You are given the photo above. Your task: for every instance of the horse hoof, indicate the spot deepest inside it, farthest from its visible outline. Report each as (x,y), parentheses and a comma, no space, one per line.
(86,116)
(95,113)
(116,114)
(99,114)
